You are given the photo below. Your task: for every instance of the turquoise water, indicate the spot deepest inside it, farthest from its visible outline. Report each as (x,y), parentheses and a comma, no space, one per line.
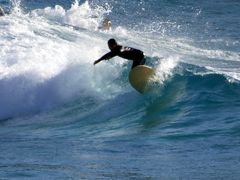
(63,118)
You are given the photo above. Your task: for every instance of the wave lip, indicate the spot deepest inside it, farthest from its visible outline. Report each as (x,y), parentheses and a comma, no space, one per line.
(82,16)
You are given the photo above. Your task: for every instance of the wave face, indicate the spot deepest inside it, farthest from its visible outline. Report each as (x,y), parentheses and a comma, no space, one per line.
(61,117)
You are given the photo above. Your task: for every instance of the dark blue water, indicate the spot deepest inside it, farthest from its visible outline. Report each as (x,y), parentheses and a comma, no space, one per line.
(63,118)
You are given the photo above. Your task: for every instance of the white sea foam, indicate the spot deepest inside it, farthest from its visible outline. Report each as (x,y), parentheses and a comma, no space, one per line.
(82,16)
(165,69)
(45,64)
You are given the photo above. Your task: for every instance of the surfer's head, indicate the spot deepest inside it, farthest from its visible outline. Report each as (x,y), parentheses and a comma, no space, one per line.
(112,44)
(107,24)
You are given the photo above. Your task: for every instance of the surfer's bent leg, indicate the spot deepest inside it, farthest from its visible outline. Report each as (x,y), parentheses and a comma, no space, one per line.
(138,62)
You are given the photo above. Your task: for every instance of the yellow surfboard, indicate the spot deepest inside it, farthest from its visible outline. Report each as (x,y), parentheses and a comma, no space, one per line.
(140,76)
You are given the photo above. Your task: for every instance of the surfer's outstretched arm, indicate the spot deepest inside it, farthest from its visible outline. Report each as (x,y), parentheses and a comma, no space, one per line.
(105,57)
(1,12)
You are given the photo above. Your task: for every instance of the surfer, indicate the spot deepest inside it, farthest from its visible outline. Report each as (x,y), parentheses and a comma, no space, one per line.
(106,24)
(137,56)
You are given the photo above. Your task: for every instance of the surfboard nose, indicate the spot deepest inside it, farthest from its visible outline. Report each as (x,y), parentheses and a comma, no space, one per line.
(139,77)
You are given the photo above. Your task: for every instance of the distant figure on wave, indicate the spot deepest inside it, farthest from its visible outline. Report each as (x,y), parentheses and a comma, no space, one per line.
(106,25)
(1,12)
(137,56)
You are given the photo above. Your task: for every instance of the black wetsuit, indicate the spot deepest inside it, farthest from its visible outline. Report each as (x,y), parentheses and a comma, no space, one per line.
(135,55)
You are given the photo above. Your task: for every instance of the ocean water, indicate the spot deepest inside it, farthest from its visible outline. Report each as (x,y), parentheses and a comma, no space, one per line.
(63,118)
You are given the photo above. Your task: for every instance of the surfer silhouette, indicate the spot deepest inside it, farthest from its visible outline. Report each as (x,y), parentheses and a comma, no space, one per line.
(136,55)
